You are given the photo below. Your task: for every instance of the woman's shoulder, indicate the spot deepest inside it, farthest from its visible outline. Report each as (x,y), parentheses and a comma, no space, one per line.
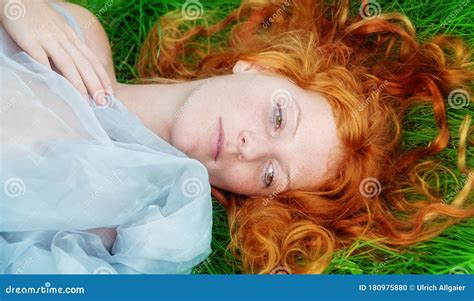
(95,36)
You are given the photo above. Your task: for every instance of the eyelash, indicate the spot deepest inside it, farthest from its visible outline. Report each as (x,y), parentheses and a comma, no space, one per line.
(265,175)
(279,109)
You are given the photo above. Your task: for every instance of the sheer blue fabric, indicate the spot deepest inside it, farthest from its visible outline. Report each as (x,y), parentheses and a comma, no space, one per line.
(72,172)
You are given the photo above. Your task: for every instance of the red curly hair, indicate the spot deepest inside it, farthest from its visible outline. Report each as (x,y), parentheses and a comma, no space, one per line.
(322,48)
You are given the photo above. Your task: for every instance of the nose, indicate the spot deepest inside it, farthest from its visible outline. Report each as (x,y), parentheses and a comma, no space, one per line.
(252,146)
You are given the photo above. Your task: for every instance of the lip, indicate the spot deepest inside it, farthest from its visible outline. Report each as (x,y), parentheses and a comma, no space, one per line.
(216,141)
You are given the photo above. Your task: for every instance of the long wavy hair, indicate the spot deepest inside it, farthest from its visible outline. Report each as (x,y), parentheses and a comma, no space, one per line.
(371,71)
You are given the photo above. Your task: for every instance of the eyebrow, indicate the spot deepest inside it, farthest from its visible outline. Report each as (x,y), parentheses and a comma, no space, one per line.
(298,121)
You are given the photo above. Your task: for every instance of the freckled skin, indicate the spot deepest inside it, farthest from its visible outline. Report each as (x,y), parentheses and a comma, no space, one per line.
(243,101)
(252,139)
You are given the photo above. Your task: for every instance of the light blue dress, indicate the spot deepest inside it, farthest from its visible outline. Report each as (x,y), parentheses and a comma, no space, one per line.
(68,167)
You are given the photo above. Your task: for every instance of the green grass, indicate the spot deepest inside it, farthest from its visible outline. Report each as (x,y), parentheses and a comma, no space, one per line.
(127,22)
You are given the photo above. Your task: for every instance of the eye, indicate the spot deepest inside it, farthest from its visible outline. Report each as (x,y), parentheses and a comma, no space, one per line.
(268,176)
(278,116)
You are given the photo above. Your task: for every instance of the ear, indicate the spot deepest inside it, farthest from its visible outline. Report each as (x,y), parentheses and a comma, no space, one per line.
(242,66)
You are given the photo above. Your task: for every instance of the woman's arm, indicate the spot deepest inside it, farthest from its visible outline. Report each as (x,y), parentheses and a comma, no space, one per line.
(43,33)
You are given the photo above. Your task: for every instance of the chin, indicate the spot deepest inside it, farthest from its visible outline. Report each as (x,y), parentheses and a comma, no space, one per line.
(179,141)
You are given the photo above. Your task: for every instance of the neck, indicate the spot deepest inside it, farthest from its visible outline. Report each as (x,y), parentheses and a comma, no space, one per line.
(156,105)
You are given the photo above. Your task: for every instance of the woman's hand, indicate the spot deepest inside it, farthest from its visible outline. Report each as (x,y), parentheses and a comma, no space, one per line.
(41,32)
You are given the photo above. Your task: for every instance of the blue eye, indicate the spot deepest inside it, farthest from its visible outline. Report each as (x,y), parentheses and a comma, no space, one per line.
(268,176)
(278,116)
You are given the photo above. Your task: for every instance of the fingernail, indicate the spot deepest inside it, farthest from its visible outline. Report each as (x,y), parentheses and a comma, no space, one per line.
(110,90)
(101,100)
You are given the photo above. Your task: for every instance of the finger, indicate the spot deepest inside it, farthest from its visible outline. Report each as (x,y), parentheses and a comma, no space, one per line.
(93,60)
(65,64)
(87,72)
(39,54)
(96,63)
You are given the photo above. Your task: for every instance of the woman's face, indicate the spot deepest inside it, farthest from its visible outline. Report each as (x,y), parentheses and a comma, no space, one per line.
(276,136)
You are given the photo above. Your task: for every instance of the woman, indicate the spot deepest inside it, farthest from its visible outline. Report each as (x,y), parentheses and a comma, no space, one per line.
(297,89)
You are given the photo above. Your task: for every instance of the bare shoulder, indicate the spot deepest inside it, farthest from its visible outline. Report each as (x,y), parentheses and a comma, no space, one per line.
(94,34)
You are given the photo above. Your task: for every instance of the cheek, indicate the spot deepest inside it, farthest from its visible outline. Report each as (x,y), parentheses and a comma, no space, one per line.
(194,121)
(234,180)
(190,129)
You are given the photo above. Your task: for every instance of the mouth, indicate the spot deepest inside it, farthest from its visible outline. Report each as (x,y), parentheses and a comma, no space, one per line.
(217,141)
